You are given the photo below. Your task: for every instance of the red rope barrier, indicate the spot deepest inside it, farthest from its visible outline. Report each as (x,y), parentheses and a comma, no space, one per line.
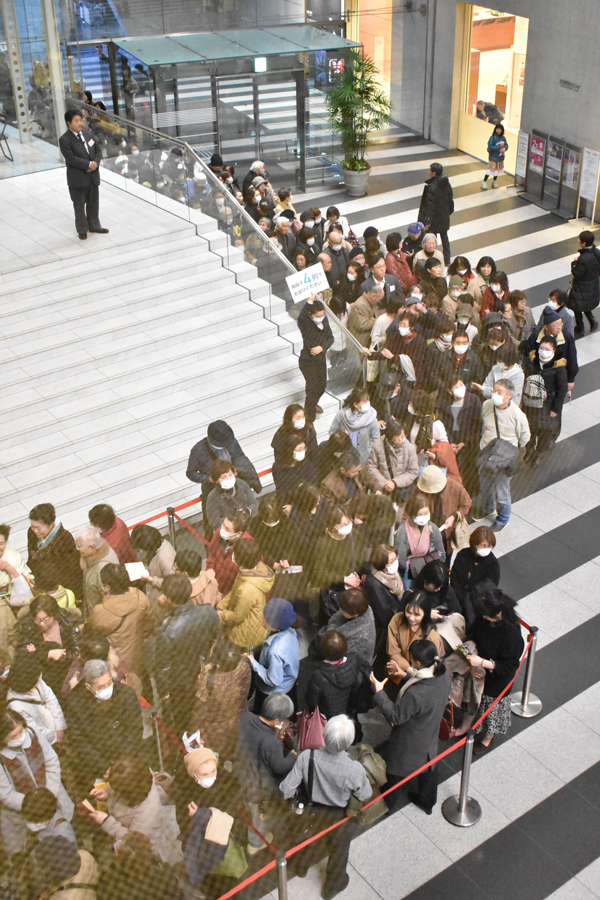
(193,530)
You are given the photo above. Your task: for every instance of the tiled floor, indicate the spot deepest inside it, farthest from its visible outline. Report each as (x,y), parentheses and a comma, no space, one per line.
(29,156)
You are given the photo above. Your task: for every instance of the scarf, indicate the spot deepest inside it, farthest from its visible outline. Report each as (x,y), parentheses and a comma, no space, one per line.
(43,542)
(420,675)
(29,773)
(357,420)
(442,344)
(392,582)
(418,539)
(425,433)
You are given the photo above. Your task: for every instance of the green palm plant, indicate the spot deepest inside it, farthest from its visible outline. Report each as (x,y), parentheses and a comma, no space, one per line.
(356,107)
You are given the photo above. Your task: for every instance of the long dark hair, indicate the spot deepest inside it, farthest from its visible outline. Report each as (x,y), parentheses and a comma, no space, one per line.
(420,600)
(493,602)
(224,657)
(425,652)
(435,573)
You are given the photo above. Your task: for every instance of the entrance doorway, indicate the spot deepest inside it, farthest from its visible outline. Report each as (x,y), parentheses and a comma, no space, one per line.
(493,80)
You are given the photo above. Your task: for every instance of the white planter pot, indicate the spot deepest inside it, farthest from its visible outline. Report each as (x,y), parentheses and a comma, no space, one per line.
(356,182)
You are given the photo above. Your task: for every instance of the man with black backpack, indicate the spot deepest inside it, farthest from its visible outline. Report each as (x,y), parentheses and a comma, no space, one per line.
(505,429)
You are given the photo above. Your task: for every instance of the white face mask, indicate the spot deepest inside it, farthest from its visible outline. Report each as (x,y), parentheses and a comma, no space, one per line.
(546,355)
(37,826)
(299,424)
(497,288)
(309,223)
(392,568)
(310,241)
(205,782)
(462,271)
(344,529)
(484,551)
(460,349)
(299,455)
(411,409)
(318,220)
(365,407)
(447,337)
(335,246)
(104,693)
(14,745)
(226,536)
(403,331)
(497,400)
(459,392)
(229,180)
(220,202)
(455,294)
(494,347)
(417,295)
(228,483)
(271,524)
(350,276)
(135,152)
(422,520)
(552,304)
(319,322)
(463,320)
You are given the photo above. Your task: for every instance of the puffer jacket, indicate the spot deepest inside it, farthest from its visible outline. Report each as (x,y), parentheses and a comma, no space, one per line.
(241,617)
(405,466)
(363,429)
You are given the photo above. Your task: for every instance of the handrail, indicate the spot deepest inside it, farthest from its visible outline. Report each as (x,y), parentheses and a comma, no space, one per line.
(231,199)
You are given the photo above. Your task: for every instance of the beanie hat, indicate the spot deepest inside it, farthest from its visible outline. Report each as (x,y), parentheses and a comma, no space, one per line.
(219,433)
(356,251)
(550,316)
(432,480)
(456,281)
(415,228)
(216,160)
(197,758)
(279,613)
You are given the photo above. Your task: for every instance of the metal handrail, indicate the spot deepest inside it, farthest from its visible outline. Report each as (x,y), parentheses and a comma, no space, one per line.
(272,248)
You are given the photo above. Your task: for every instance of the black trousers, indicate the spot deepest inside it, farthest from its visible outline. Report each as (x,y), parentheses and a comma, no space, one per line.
(579,319)
(86,203)
(314,370)
(426,789)
(445,245)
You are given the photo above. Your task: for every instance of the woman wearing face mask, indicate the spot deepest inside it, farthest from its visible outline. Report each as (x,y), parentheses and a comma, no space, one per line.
(506,366)
(493,335)
(438,352)
(403,339)
(460,362)
(306,243)
(306,521)
(359,419)
(292,469)
(522,316)
(478,285)
(495,294)
(393,463)
(460,412)
(446,498)
(220,550)
(460,265)
(317,339)
(27,761)
(472,567)
(337,558)
(294,423)
(418,540)
(29,695)
(456,287)
(349,287)
(413,624)
(544,413)
(383,587)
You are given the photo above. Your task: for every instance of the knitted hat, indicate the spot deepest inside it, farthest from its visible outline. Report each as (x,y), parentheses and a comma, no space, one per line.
(464,310)
(432,480)
(456,281)
(357,251)
(415,228)
(279,613)
(550,315)
(197,758)
(216,160)
(219,433)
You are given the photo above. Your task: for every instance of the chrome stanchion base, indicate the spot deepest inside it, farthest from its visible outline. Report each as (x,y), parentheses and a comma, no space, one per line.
(452,814)
(533,708)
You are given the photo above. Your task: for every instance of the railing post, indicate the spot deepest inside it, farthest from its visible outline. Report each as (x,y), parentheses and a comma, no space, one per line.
(282,885)
(460,809)
(171,517)
(524,703)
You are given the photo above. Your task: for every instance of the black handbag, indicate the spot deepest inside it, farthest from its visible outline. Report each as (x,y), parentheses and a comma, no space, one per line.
(499,457)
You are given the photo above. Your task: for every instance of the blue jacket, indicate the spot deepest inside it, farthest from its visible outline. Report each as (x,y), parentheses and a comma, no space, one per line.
(279,662)
(494,149)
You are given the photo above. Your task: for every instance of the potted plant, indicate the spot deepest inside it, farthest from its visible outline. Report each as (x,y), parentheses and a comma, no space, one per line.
(356,107)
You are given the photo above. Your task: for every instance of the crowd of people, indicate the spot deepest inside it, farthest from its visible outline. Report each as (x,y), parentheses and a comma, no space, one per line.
(375,552)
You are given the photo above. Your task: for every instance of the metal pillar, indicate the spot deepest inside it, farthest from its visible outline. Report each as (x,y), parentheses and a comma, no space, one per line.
(15,62)
(256,116)
(54,64)
(171,517)
(112,67)
(461,809)
(282,885)
(524,703)
(214,98)
(301,126)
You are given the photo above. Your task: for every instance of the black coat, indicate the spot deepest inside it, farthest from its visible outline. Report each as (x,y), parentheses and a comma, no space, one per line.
(332,688)
(202,456)
(275,543)
(469,370)
(78,159)
(282,435)
(313,336)
(469,419)
(437,204)
(339,264)
(383,603)
(565,350)
(583,296)
(287,478)
(503,642)
(469,570)
(184,641)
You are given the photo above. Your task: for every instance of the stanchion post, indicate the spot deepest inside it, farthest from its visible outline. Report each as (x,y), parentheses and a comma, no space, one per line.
(524,703)
(282,885)
(161,764)
(460,809)
(171,517)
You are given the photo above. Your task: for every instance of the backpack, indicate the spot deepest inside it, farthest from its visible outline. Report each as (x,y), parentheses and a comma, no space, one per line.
(534,392)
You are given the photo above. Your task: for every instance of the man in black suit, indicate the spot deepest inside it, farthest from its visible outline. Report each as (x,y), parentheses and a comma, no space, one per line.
(378,277)
(82,156)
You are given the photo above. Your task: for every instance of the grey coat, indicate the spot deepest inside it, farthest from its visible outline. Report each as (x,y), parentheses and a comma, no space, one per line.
(359,632)
(415,719)
(405,466)
(366,434)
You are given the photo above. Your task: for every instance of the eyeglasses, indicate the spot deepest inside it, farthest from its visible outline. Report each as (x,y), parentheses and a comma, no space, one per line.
(44,621)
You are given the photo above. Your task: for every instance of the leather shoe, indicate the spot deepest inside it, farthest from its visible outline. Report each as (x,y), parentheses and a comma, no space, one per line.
(414,798)
(319,409)
(82,236)
(328,893)
(99,230)
(593,326)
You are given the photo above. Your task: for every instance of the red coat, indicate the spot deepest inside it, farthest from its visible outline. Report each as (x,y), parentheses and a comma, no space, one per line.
(488,301)
(445,457)
(398,266)
(221,563)
(118,538)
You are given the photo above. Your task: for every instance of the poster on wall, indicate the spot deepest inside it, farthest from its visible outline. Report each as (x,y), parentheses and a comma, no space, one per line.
(570,175)
(522,148)
(536,154)
(554,161)
(589,174)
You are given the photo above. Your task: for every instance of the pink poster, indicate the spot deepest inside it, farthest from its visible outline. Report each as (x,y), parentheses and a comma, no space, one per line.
(536,154)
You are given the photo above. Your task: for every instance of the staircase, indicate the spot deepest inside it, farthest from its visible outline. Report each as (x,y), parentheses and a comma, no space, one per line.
(108,378)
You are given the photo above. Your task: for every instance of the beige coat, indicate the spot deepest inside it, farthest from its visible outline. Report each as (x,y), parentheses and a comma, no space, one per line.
(335,491)
(87,875)
(93,592)
(400,637)
(205,590)
(127,620)
(361,320)
(405,465)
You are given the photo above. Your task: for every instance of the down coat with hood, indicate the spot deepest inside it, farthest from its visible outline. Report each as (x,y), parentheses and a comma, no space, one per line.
(362,427)
(241,617)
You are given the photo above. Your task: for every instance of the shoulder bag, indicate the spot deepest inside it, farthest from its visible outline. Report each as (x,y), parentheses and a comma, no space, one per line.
(499,457)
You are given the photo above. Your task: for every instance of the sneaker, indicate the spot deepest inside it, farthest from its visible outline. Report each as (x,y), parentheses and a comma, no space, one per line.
(498,526)
(484,185)
(252,851)
(495,184)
